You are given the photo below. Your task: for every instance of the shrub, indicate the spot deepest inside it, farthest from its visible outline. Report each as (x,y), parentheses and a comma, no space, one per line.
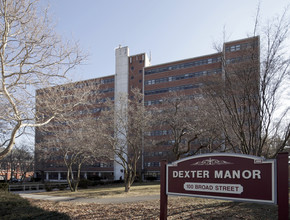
(48,187)
(84,183)
(61,187)
(4,187)
(94,178)
(151,178)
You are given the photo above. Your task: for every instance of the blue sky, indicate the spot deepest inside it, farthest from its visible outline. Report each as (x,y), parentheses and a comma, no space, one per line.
(168,29)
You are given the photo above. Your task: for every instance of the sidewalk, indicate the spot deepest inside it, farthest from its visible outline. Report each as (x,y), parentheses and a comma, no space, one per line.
(114,200)
(117,200)
(45,197)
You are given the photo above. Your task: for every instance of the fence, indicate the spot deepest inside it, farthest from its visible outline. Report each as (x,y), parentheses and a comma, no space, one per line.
(28,187)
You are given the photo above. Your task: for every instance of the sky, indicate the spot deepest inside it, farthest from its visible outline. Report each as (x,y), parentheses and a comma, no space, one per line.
(169,30)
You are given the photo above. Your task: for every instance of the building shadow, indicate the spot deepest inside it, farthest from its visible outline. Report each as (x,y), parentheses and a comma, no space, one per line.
(14,207)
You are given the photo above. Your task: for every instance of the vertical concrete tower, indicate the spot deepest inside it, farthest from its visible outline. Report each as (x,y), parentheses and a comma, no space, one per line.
(121,93)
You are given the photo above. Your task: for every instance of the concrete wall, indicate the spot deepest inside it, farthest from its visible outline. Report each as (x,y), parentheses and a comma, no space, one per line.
(121,93)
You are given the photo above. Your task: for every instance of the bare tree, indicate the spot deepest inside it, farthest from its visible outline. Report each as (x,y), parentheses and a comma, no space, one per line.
(25,160)
(122,130)
(187,125)
(20,162)
(31,55)
(70,138)
(79,147)
(247,98)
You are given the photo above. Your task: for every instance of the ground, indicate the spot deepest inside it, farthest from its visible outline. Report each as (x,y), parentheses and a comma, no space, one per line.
(86,204)
(178,208)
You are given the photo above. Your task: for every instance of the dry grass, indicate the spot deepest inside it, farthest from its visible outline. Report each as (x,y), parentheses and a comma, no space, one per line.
(109,191)
(13,207)
(178,208)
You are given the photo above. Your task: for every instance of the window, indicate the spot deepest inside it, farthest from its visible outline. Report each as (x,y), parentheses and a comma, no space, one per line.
(183,65)
(184,76)
(235,47)
(107,90)
(106,81)
(170,89)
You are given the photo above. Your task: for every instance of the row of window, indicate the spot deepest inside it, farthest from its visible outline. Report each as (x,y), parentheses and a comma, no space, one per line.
(160,101)
(183,76)
(106,90)
(94,110)
(242,46)
(158,133)
(136,57)
(242,59)
(103,81)
(103,100)
(183,65)
(46,133)
(171,89)
(153,102)
(234,60)
(103,165)
(106,81)
(156,154)
(152,164)
(80,85)
(183,141)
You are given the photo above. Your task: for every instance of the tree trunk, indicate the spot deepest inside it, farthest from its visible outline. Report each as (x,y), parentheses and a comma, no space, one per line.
(127,177)
(78,178)
(127,186)
(129,180)
(69,178)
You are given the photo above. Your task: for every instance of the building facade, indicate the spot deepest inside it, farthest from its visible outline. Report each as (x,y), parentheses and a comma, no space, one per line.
(156,82)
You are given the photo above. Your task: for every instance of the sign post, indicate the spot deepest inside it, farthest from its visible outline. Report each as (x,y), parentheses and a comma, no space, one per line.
(163,195)
(282,186)
(236,177)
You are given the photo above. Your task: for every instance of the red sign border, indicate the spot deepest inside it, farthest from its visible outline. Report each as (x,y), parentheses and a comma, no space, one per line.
(260,159)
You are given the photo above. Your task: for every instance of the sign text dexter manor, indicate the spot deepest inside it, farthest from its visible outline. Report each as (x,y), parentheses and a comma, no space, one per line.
(225,176)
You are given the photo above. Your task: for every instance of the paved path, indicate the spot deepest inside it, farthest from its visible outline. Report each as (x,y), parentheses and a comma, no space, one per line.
(113,200)
(45,197)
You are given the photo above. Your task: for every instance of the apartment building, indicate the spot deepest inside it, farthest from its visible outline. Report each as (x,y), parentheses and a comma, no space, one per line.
(156,82)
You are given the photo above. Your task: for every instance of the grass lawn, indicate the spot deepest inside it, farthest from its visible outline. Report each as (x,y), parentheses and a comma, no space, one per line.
(115,190)
(178,208)
(15,207)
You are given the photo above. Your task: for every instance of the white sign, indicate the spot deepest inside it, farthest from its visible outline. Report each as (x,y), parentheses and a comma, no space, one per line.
(214,187)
